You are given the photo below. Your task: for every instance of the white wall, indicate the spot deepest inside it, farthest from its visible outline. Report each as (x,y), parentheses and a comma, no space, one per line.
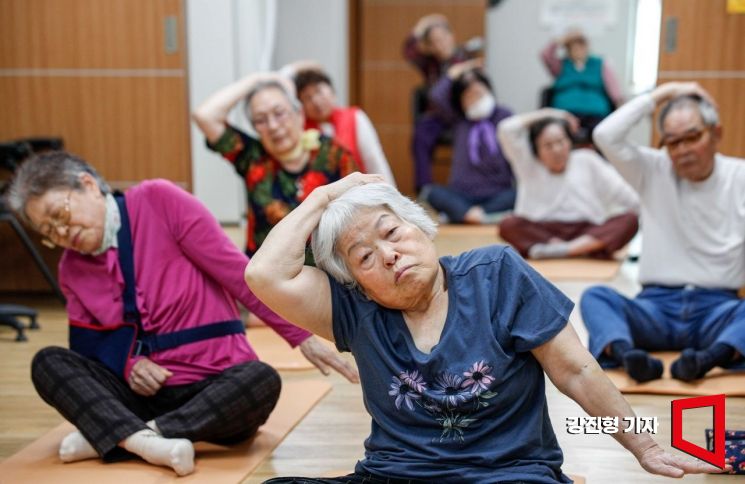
(224,39)
(315,29)
(228,39)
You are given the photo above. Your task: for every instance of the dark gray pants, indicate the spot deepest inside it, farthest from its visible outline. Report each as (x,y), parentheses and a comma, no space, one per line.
(225,408)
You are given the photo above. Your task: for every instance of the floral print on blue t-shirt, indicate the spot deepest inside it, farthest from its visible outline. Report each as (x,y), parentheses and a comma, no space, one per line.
(453,399)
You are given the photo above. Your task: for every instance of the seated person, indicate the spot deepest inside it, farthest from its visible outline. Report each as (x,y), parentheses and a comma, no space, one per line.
(451,351)
(570,203)
(187,275)
(693,257)
(431,49)
(285,163)
(585,85)
(349,126)
(481,184)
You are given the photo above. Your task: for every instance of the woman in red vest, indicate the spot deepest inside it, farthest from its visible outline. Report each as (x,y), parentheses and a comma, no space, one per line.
(349,126)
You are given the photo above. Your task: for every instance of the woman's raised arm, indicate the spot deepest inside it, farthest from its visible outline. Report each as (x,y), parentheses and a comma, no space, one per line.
(277,274)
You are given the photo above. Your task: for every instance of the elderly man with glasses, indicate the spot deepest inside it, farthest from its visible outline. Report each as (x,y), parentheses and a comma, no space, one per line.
(285,163)
(693,258)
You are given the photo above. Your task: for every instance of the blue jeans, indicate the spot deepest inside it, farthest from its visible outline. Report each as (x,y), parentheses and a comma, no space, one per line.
(455,204)
(663,319)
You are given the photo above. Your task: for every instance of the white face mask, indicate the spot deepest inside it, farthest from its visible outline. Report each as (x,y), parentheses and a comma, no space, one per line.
(482,108)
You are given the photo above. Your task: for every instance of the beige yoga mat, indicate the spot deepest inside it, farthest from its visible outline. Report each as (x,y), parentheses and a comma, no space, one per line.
(455,239)
(339,473)
(718,380)
(272,349)
(39,463)
(577,269)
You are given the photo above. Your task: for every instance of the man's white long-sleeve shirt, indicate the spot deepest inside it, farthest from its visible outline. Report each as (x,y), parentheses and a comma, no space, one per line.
(694,232)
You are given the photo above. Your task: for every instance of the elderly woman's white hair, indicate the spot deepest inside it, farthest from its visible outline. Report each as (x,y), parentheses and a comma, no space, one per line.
(341,212)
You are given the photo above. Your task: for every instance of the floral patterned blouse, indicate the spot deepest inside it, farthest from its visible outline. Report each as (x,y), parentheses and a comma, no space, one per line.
(273,192)
(473,409)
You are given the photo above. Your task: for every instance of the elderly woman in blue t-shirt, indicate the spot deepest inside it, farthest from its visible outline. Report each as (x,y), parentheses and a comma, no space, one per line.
(451,351)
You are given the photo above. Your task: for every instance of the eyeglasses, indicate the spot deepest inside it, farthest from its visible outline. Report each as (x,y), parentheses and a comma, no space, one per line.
(279,115)
(672,143)
(59,219)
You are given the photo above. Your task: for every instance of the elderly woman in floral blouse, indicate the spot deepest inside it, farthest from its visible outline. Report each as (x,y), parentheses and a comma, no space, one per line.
(285,164)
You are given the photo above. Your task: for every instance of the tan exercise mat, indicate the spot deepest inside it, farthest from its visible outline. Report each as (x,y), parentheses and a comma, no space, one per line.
(455,239)
(576,479)
(577,269)
(272,349)
(39,463)
(716,381)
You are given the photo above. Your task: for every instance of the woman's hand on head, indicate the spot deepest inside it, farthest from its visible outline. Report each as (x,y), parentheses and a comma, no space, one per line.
(324,357)
(146,378)
(334,190)
(573,122)
(656,461)
(456,70)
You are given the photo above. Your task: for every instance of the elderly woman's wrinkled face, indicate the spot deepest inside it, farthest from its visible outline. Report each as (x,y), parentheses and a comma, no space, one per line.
(393,261)
(73,219)
(577,50)
(553,147)
(277,123)
(441,42)
(318,101)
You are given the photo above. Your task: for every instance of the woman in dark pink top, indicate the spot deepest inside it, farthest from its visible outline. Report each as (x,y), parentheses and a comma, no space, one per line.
(187,275)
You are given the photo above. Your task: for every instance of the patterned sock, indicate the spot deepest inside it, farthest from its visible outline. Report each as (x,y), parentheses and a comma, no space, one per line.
(693,364)
(641,366)
(175,453)
(74,447)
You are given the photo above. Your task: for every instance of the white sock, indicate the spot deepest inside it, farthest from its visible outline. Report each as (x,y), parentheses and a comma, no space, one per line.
(74,447)
(552,250)
(154,426)
(177,454)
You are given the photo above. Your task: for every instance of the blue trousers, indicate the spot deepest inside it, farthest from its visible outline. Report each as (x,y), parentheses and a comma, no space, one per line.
(455,204)
(663,319)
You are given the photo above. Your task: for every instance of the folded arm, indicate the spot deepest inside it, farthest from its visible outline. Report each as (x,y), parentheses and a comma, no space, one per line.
(550,59)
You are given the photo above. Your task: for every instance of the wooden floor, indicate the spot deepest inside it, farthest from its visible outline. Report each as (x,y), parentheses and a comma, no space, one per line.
(329,440)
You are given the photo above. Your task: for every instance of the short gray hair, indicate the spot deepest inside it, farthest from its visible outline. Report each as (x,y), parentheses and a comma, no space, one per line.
(341,212)
(54,170)
(709,114)
(269,84)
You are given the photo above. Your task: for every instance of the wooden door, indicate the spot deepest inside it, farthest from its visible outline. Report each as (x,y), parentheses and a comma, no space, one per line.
(700,41)
(382,82)
(109,78)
